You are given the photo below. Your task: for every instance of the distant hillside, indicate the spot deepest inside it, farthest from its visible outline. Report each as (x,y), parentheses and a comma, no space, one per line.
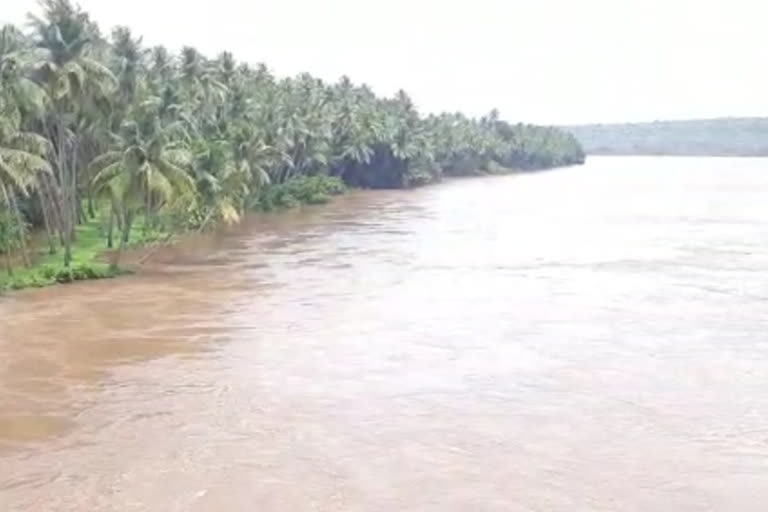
(705,137)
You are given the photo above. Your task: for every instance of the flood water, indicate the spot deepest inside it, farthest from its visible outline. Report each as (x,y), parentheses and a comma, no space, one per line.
(586,339)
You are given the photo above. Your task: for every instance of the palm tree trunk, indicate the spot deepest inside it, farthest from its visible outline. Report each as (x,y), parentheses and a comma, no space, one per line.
(125,238)
(66,222)
(115,263)
(76,204)
(21,228)
(81,218)
(49,236)
(65,212)
(91,209)
(8,266)
(67,251)
(127,224)
(111,228)
(49,202)
(148,211)
(51,184)
(89,150)
(66,195)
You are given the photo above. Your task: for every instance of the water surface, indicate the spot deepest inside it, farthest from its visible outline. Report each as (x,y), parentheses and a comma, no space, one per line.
(587,339)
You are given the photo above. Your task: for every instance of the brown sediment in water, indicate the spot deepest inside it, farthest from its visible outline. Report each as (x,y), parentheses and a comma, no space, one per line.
(578,340)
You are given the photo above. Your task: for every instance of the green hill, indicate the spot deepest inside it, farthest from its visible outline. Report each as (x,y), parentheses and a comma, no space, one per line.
(704,137)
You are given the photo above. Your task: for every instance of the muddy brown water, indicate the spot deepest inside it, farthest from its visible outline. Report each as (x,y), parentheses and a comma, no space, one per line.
(588,339)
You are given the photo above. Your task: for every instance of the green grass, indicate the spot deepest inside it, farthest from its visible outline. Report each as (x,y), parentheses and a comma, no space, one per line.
(90,246)
(49,269)
(143,235)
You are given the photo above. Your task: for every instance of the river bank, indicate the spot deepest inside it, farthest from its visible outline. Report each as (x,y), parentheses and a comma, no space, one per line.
(92,258)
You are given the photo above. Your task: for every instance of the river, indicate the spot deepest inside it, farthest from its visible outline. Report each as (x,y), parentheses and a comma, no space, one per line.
(585,339)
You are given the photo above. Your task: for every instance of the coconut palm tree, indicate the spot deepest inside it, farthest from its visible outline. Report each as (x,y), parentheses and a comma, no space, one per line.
(22,153)
(22,158)
(76,85)
(146,169)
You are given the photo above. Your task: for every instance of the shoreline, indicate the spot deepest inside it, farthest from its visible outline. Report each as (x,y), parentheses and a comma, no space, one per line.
(91,256)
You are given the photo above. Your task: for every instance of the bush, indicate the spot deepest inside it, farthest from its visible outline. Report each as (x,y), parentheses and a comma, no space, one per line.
(333,186)
(48,272)
(83,272)
(145,237)
(48,275)
(318,198)
(28,281)
(304,190)
(419,178)
(64,275)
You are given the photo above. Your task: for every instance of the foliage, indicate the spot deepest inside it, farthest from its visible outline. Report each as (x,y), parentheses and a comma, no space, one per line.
(87,263)
(304,190)
(60,274)
(144,139)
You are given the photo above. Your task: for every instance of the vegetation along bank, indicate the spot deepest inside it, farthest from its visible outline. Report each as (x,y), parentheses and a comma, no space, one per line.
(105,143)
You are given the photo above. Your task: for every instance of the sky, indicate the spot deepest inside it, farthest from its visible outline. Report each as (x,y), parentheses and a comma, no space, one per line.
(541,61)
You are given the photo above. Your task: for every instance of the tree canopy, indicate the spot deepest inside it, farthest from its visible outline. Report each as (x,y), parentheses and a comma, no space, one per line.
(92,122)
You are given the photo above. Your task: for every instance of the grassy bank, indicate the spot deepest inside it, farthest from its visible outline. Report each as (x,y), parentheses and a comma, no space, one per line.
(48,269)
(90,254)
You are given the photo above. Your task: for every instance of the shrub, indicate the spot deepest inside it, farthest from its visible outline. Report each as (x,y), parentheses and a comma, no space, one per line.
(318,198)
(304,190)
(419,178)
(48,272)
(80,272)
(64,275)
(27,281)
(332,186)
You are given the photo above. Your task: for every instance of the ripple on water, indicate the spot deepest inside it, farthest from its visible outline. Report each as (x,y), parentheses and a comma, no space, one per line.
(583,340)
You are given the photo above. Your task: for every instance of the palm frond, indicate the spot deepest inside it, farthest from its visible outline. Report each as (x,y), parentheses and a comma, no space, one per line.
(104,160)
(228,212)
(108,174)
(31,143)
(98,73)
(181,181)
(260,176)
(27,165)
(180,157)
(158,182)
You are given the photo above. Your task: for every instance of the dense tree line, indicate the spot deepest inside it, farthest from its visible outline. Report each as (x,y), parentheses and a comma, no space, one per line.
(93,124)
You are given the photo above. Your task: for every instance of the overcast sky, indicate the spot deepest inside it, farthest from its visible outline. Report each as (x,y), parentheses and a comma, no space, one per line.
(546,61)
